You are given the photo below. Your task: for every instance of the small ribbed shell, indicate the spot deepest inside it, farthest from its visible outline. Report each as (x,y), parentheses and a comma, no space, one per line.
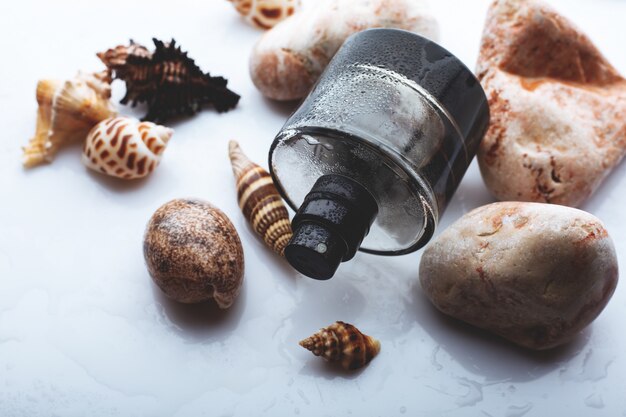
(67,111)
(124,147)
(265,14)
(259,200)
(116,58)
(344,343)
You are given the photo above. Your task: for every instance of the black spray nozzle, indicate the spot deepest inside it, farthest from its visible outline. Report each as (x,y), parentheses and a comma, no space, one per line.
(330,225)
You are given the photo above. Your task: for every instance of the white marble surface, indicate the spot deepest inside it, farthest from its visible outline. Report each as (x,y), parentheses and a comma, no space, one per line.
(83,331)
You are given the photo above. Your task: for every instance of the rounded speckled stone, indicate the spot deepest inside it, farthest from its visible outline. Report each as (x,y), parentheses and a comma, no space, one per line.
(193,252)
(535,274)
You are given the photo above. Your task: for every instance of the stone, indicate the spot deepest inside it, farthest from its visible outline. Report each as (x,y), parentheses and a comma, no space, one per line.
(289,58)
(558,107)
(533,273)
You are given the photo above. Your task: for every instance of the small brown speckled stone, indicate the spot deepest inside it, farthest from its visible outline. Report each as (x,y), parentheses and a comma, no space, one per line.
(193,252)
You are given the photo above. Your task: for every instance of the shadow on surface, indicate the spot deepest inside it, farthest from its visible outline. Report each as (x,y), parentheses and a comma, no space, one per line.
(318,367)
(201,322)
(281,107)
(486,354)
(321,303)
(606,190)
(117,185)
(287,271)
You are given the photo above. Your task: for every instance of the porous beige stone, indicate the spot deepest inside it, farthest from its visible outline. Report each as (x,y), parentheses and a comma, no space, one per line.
(558,108)
(535,274)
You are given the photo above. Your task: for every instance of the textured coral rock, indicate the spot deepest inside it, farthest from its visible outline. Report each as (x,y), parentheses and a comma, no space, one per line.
(535,274)
(558,108)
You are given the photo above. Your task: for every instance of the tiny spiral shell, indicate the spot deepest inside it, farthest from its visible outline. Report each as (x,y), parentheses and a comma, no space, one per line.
(344,343)
(125,148)
(259,200)
(266,13)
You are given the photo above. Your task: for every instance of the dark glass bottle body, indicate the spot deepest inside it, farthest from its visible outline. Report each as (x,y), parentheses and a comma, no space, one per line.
(396,114)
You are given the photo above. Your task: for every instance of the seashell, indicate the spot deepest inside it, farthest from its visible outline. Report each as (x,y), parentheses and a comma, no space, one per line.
(167,80)
(193,253)
(40,149)
(558,107)
(265,14)
(125,148)
(116,58)
(342,342)
(67,110)
(259,200)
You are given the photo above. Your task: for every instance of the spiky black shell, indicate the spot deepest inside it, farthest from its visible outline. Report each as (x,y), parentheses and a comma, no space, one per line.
(167,80)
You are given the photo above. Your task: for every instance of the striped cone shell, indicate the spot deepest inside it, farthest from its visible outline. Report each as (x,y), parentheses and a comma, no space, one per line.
(259,200)
(342,342)
(265,14)
(125,148)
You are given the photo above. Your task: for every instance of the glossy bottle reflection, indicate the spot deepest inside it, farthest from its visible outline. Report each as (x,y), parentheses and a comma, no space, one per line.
(394,122)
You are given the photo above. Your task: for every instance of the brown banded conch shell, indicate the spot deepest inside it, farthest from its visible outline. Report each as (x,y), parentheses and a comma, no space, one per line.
(125,148)
(344,343)
(67,110)
(259,200)
(265,14)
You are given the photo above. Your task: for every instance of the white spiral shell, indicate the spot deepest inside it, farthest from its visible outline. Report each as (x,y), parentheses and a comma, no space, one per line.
(266,13)
(124,147)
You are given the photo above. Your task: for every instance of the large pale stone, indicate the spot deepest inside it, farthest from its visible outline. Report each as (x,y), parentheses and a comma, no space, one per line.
(533,273)
(558,108)
(290,57)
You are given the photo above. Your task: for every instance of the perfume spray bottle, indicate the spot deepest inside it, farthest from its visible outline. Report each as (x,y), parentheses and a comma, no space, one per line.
(373,155)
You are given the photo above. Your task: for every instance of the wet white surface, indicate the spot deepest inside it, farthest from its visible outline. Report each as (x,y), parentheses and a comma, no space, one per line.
(84,332)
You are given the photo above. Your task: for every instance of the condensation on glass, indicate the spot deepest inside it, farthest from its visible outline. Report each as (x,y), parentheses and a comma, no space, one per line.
(396,114)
